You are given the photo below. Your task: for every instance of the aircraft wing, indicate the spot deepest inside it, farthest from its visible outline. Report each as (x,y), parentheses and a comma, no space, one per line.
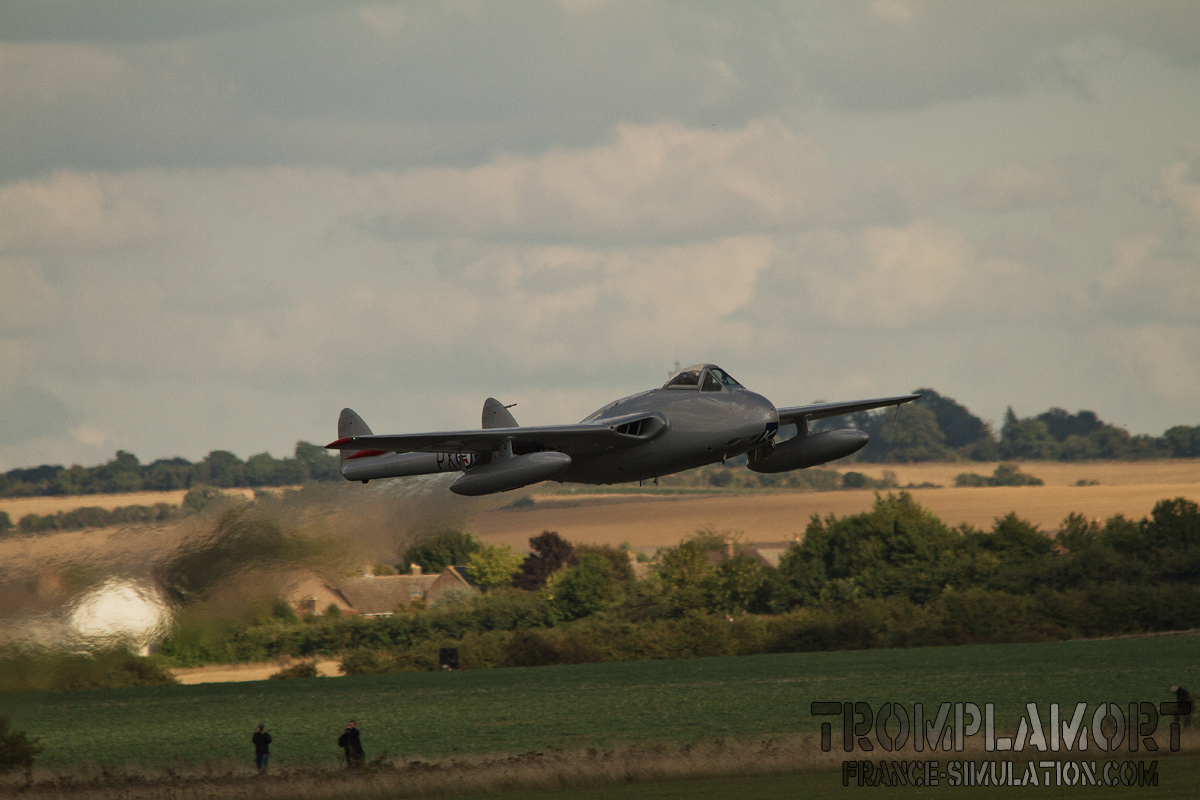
(788,416)
(616,433)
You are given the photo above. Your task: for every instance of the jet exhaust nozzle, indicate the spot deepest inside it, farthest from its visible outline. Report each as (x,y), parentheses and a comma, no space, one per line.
(809,451)
(510,473)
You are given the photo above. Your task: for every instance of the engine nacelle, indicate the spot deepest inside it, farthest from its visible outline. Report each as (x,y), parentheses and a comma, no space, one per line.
(511,473)
(808,451)
(398,465)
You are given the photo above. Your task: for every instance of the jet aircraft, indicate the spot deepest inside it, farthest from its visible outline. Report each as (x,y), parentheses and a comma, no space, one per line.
(700,416)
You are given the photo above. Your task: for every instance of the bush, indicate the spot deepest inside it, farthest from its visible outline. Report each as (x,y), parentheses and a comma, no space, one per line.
(305,669)
(1003,475)
(17,750)
(201,497)
(110,669)
(366,662)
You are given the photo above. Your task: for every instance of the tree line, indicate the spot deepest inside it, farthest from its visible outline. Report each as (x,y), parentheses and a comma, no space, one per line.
(220,468)
(893,576)
(935,428)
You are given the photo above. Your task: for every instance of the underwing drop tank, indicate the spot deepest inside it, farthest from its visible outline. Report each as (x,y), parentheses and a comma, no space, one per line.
(808,451)
(399,465)
(510,473)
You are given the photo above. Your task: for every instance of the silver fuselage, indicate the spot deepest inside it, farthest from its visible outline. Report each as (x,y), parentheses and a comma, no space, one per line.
(704,428)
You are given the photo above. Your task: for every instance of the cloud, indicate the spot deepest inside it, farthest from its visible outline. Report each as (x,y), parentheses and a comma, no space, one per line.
(1154,276)
(1013,186)
(1165,361)
(72,211)
(220,221)
(384,19)
(27,412)
(1179,187)
(890,278)
(45,74)
(658,180)
(30,302)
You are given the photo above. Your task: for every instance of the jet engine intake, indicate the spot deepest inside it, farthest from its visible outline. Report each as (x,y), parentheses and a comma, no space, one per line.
(510,473)
(808,451)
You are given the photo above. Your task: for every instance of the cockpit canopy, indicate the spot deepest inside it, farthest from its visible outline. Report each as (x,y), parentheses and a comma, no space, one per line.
(705,377)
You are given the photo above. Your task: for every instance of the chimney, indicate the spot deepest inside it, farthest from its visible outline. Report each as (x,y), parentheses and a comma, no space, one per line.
(416,569)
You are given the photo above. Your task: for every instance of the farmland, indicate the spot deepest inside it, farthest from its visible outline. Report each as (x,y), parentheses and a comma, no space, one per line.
(439,714)
(647,521)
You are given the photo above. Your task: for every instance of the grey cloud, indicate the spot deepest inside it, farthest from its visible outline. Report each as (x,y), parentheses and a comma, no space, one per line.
(27,412)
(134,20)
(220,84)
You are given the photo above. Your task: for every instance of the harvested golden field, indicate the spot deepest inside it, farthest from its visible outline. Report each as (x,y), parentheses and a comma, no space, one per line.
(18,507)
(649,521)
(1054,473)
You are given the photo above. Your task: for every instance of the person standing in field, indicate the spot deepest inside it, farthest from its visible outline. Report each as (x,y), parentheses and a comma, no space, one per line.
(262,747)
(351,743)
(1184,698)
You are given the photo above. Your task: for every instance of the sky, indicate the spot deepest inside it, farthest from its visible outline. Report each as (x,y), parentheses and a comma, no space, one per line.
(221,222)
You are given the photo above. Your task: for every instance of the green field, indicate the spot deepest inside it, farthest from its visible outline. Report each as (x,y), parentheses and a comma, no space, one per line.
(434,715)
(1178,777)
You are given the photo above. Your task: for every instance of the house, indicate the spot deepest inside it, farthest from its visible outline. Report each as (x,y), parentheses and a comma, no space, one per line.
(376,595)
(767,554)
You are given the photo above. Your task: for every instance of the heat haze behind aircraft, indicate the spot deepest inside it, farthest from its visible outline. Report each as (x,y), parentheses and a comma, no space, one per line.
(700,416)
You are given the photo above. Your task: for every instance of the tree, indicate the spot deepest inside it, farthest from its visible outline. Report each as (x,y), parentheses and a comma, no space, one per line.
(913,435)
(166,474)
(618,557)
(445,549)
(1174,524)
(122,474)
(1183,441)
(1013,537)
(896,548)
(17,749)
(584,588)
(550,553)
(958,425)
(1026,439)
(6,524)
(494,566)
(320,463)
(687,577)
(739,581)
(1062,424)
(221,468)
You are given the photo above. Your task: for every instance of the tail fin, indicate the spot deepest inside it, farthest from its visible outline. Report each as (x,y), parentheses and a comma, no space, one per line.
(351,424)
(495,415)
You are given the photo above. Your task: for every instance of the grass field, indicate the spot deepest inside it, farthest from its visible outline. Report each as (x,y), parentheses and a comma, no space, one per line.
(437,715)
(1179,777)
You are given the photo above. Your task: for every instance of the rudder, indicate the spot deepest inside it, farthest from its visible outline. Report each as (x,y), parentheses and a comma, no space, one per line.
(351,424)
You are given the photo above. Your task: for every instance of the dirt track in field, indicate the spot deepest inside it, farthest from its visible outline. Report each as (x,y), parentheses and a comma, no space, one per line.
(232,673)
